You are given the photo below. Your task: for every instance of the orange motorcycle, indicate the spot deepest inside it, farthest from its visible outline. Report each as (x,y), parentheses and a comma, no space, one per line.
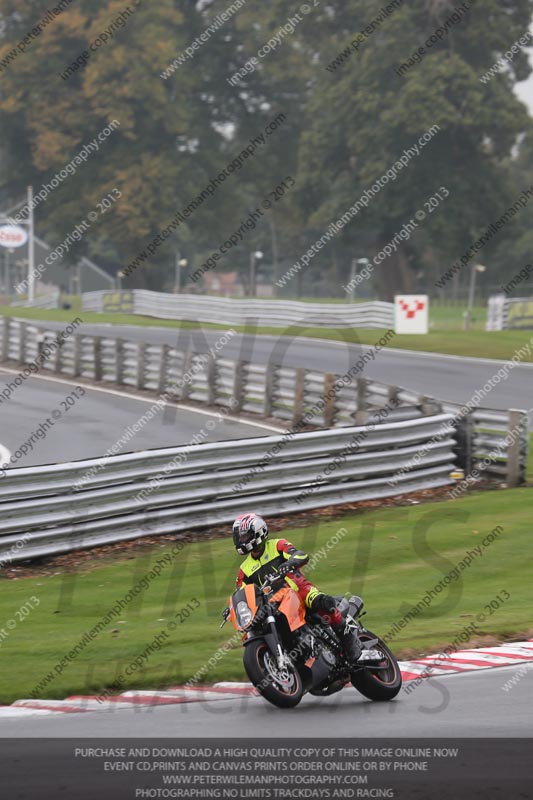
(288,650)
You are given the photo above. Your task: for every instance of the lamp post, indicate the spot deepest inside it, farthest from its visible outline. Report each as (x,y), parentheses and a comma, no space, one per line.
(255,255)
(180,264)
(7,271)
(468,313)
(31,247)
(355,263)
(120,275)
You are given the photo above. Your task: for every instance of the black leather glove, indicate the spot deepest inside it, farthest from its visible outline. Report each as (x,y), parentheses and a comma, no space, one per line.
(276,579)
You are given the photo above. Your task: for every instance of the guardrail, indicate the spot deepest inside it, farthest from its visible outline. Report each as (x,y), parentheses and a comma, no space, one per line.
(50,300)
(505,313)
(61,508)
(271,313)
(266,390)
(495,443)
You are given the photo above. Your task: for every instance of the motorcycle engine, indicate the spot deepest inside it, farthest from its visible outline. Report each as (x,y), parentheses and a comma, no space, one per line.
(329,657)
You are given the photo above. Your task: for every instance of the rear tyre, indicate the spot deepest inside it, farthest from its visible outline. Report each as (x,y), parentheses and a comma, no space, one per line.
(381,684)
(282,688)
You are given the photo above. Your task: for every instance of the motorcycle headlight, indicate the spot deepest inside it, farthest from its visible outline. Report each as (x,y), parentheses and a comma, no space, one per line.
(244,614)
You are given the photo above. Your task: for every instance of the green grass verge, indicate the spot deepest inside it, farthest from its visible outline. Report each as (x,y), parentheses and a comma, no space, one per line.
(446,337)
(391,556)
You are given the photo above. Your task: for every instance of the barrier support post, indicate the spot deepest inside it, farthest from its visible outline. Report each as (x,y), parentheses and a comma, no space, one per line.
(141,365)
(97,358)
(163,368)
(515,465)
(187,368)
(211,372)
(392,398)
(77,355)
(330,396)
(361,413)
(58,354)
(23,332)
(5,338)
(270,383)
(238,385)
(119,361)
(299,395)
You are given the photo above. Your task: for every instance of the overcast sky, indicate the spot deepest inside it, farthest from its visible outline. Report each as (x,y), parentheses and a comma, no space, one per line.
(524,90)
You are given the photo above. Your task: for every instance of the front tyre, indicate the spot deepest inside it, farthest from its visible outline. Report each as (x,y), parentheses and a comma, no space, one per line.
(282,688)
(383,683)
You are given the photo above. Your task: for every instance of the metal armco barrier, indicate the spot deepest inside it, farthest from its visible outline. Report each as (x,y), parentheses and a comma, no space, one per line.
(66,507)
(266,390)
(48,301)
(493,442)
(271,313)
(505,313)
(496,443)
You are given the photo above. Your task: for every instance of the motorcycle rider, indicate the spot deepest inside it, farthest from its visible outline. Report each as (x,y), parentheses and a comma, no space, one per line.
(250,533)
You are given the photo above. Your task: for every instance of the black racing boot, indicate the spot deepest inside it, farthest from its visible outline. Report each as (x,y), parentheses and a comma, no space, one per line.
(350,644)
(348,639)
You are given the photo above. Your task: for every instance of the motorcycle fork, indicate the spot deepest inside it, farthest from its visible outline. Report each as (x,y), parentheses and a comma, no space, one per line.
(274,643)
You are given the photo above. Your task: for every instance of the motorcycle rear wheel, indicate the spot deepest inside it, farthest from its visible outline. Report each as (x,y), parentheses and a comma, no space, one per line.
(382,684)
(282,689)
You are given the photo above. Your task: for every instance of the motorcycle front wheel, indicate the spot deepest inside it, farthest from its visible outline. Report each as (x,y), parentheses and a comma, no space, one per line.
(383,683)
(282,688)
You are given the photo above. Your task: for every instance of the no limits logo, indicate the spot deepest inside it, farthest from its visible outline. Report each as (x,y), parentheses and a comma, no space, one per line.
(411,309)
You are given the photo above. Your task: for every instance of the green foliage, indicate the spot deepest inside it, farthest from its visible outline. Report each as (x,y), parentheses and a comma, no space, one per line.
(345,128)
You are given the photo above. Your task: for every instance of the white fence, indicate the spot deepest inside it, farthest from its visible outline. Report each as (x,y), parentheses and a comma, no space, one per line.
(268,313)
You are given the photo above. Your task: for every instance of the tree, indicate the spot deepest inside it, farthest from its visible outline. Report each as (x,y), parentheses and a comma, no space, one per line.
(350,113)
(362,116)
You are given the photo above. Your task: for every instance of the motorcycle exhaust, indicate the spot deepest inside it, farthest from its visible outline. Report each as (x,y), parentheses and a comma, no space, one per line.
(370,655)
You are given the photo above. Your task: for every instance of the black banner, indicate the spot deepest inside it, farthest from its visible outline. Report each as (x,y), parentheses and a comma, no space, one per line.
(406,769)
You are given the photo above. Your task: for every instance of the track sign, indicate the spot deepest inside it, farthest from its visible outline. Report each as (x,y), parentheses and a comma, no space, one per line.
(13,236)
(411,313)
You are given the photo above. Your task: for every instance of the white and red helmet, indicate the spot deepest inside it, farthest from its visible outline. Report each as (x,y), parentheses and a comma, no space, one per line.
(249,532)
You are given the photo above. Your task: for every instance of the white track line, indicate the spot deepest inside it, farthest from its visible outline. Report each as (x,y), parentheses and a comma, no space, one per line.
(10,712)
(150,400)
(5,454)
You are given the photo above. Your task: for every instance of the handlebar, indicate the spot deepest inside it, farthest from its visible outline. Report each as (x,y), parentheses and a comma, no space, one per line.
(276,576)
(225,615)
